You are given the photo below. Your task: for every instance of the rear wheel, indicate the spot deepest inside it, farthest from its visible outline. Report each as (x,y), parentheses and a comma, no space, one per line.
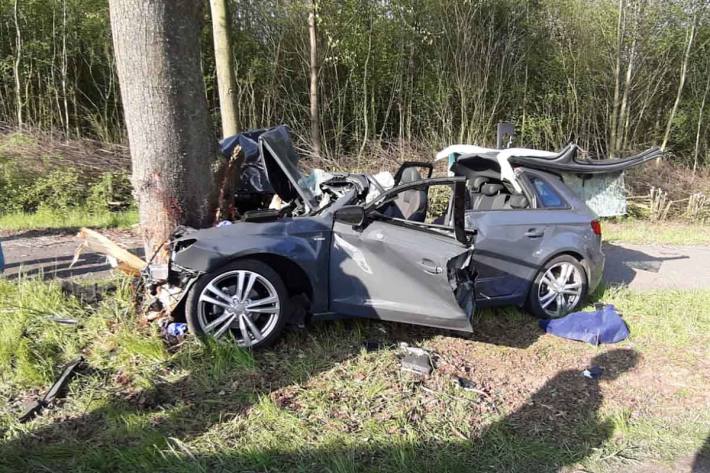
(559,288)
(246,300)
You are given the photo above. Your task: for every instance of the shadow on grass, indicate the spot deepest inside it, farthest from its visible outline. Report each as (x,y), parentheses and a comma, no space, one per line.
(147,430)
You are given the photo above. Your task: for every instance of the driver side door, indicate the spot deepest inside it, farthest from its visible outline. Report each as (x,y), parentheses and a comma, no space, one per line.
(398,270)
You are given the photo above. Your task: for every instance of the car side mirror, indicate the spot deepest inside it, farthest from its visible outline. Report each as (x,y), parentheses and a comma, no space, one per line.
(350,214)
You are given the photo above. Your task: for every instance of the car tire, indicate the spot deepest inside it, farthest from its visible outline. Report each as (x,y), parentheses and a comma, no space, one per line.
(213,308)
(564,279)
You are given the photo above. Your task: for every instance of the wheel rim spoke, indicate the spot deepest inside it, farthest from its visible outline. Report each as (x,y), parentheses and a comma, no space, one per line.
(548,279)
(565,272)
(254,305)
(211,300)
(250,327)
(250,285)
(547,299)
(219,293)
(560,303)
(225,326)
(219,320)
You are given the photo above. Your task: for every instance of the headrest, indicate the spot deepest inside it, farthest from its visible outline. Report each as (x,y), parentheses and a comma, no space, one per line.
(518,201)
(410,175)
(477,182)
(491,189)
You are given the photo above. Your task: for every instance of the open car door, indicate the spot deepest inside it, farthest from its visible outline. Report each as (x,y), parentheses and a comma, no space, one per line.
(401,270)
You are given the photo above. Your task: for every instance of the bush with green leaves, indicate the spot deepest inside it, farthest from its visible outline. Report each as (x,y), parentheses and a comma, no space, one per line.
(61,189)
(112,191)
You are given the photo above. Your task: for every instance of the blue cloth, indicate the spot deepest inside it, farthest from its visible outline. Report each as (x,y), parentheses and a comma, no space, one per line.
(600,326)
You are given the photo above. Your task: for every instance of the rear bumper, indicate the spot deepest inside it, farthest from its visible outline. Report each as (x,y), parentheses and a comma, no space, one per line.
(595,269)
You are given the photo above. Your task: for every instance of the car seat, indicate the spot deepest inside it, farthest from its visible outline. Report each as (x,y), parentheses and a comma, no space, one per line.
(411,204)
(493,198)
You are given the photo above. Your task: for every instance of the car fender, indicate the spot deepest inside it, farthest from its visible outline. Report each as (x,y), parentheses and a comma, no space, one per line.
(310,254)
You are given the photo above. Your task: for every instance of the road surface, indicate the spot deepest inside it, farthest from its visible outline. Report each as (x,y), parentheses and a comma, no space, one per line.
(641,267)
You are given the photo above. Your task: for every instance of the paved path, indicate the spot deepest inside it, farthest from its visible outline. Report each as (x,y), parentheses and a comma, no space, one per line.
(657,267)
(639,267)
(51,254)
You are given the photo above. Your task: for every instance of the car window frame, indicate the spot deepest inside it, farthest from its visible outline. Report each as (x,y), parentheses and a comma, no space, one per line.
(537,204)
(458,185)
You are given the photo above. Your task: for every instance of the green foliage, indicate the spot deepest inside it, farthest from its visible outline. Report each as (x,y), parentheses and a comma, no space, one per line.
(432,71)
(112,191)
(61,189)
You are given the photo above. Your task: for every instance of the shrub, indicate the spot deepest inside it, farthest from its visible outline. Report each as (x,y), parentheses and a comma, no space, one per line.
(112,191)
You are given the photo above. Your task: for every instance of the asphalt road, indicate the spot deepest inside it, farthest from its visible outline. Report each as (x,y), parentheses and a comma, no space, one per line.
(640,267)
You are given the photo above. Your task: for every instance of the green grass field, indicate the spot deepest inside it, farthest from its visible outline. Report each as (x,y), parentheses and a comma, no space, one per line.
(644,232)
(72,218)
(319,401)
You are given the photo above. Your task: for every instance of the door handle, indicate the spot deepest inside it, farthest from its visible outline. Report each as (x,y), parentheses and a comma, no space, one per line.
(430,267)
(534,233)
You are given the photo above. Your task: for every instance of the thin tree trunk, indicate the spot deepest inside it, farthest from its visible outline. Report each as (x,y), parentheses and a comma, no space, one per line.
(315,117)
(681,83)
(617,77)
(173,151)
(16,66)
(622,122)
(224,63)
(65,68)
(696,150)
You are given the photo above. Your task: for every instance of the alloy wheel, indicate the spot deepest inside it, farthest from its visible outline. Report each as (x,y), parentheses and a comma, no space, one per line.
(560,289)
(242,303)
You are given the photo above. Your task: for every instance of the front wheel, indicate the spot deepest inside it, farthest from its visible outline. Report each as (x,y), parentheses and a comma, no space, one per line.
(559,288)
(246,300)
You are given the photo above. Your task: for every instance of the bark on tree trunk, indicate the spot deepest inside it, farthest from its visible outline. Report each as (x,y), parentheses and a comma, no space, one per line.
(224,62)
(315,118)
(173,150)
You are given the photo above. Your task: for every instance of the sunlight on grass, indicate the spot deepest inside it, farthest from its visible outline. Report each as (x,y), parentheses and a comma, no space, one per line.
(71,218)
(318,401)
(674,318)
(644,232)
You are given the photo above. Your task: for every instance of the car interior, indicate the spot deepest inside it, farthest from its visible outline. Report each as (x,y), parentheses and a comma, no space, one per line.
(411,204)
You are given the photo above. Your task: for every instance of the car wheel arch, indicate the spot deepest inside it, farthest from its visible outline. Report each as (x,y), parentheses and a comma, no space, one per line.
(293,275)
(574,254)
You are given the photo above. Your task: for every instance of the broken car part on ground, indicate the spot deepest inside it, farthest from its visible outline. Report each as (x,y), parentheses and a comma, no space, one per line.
(344,245)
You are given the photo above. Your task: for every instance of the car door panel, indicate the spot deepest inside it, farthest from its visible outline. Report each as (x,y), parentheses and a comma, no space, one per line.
(505,252)
(511,245)
(395,272)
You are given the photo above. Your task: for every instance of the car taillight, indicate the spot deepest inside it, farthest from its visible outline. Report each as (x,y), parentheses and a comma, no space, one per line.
(597,227)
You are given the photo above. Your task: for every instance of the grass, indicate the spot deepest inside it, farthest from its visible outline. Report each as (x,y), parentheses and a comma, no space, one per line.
(319,402)
(644,232)
(71,218)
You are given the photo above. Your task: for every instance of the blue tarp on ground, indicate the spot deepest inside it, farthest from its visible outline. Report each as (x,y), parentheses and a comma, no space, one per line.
(601,326)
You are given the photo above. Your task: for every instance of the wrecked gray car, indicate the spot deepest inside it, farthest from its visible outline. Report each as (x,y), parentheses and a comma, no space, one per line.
(405,254)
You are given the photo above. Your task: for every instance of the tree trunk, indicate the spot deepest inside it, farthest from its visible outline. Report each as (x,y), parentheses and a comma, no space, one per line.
(621,26)
(315,118)
(681,83)
(16,66)
(225,66)
(172,143)
(696,149)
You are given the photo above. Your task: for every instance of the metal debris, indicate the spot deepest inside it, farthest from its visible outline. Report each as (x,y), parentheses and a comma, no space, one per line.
(417,360)
(34,407)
